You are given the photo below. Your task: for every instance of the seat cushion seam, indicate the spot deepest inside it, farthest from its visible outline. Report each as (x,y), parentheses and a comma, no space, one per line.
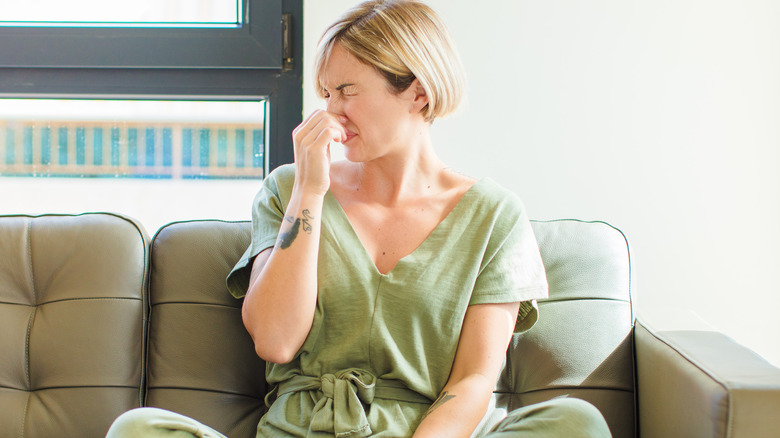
(35,304)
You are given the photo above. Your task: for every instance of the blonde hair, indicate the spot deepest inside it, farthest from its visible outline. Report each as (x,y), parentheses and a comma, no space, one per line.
(403,40)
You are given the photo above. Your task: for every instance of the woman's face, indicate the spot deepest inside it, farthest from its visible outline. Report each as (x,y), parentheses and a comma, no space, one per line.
(378,122)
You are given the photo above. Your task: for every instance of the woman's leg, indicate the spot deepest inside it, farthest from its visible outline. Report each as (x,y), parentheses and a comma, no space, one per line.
(560,417)
(158,423)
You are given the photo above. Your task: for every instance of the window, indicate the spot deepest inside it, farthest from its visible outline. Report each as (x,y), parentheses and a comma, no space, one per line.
(247,60)
(253,41)
(132,13)
(132,138)
(247,56)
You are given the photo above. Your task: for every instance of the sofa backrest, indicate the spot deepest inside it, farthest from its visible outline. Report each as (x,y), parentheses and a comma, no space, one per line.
(202,362)
(582,344)
(72,309)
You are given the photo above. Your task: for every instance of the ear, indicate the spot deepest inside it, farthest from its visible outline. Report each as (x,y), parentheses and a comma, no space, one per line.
(419,98)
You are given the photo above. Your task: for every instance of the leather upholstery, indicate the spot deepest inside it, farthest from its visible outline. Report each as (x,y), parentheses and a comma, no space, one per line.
(582,344)
(72,311)
(703,384)
(77,348)
(202,362)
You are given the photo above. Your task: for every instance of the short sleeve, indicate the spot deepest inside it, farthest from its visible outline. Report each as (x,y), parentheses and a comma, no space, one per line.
(512,269)
(267,214)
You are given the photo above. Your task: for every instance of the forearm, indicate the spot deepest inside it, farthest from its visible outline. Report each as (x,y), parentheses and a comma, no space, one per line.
(279,306)
(463,402)
(458,410)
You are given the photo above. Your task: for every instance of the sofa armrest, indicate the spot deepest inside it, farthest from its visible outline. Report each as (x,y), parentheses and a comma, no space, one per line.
(703,384)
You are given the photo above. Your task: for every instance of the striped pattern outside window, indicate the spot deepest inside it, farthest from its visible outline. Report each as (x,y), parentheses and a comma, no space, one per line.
(140,150)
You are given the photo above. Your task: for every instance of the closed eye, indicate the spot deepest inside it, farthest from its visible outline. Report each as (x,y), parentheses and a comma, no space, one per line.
(346,89)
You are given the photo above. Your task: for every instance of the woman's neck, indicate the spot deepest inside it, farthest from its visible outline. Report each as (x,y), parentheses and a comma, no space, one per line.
(393,179)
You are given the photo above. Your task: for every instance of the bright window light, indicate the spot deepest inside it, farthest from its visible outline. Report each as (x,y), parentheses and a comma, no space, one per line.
(133,138)
(139,13)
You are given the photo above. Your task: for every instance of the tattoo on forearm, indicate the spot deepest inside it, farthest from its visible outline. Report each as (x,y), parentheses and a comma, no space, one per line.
(288,237)
(306,218)
(443,398)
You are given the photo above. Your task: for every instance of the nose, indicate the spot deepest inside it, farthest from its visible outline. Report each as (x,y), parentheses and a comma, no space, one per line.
(335,108)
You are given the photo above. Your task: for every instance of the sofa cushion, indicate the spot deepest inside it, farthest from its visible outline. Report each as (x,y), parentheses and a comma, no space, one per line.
(202,362)
(72,302)
(582,345)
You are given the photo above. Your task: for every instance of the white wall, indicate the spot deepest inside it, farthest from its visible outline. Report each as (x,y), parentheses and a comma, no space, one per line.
(662,118)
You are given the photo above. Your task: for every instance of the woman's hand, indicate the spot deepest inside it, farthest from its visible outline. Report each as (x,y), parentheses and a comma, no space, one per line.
(311,144)
(279,306)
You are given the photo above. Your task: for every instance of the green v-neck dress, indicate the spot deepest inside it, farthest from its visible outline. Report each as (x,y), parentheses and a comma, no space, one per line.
(381,346)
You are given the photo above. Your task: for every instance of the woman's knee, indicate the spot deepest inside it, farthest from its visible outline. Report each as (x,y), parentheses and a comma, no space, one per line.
(133,423)
(565,416)
(581,415)
(160,423)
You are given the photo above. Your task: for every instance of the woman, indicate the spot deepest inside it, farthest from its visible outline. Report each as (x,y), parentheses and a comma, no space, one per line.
(383,290)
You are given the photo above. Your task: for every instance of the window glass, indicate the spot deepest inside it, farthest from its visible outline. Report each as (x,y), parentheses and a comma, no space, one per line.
(110,13)
(193,34)
(160,121)
(133,138)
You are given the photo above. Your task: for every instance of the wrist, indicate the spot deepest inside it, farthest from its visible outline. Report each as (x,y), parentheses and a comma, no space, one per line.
(302,197)
(310,189)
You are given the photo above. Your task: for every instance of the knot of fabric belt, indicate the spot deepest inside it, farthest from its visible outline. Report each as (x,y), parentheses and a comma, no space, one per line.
(340,411)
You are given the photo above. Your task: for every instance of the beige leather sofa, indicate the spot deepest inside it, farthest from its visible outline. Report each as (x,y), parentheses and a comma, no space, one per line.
(96,319)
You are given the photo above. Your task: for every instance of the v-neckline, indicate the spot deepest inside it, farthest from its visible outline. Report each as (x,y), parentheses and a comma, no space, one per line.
(367,257)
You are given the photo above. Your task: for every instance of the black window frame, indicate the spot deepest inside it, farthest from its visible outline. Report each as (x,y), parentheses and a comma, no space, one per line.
(246,62)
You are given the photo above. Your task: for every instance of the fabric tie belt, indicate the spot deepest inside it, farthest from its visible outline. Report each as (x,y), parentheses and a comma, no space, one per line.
(340,409)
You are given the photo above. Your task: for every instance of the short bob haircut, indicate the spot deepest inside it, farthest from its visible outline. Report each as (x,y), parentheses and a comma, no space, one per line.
(403,40)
